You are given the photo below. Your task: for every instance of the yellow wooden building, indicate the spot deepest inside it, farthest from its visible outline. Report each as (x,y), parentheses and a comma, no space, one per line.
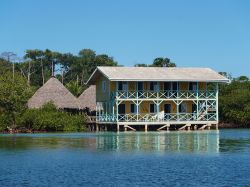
(157,96)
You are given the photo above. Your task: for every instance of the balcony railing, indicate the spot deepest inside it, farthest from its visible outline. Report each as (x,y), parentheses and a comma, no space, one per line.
(163,95)
(156,117)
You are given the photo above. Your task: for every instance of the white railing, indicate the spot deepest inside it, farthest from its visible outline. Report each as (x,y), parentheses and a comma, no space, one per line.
(163,94)
(156,117)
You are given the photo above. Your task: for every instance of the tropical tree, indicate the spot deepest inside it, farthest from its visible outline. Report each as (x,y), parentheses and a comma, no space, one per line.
(13,98)
(163,62)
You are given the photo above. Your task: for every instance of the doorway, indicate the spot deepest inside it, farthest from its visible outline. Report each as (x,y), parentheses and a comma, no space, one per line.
(121,112)
(140,89)
(167,111)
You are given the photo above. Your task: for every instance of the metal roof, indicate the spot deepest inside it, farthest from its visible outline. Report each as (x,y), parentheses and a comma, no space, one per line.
(157,74)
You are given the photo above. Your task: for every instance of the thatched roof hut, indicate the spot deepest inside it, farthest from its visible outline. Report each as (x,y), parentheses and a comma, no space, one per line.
(53,91)
(87,100)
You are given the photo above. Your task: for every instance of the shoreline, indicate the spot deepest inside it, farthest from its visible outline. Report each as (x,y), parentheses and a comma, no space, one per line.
(221,126)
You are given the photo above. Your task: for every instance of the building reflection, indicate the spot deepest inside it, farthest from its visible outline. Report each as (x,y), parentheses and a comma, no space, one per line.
(197,142)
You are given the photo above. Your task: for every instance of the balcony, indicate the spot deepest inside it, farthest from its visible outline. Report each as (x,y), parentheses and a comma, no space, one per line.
(164,95)
(154,117)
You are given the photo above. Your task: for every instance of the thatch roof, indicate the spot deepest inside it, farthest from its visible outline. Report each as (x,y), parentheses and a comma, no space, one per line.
(88,99)
(53,91)
(157,74)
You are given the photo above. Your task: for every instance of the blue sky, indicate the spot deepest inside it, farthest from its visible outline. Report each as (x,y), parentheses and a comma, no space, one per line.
(194,33)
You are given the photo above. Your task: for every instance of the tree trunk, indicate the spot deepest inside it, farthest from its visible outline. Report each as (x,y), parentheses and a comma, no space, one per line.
(13,70)
(62,76)
(52,69)
(28,77)
(42,71)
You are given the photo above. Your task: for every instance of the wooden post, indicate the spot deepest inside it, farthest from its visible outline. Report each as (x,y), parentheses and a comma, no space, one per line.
(118,127)
(146,128)
(125,128)
(197,101)
(217,102)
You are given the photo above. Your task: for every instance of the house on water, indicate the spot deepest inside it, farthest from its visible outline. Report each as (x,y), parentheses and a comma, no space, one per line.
(158,98)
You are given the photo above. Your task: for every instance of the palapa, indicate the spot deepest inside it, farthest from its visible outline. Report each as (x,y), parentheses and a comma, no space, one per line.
(53,91)
(87,100)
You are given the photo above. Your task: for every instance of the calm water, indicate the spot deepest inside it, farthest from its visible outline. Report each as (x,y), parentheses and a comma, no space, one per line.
(215,158)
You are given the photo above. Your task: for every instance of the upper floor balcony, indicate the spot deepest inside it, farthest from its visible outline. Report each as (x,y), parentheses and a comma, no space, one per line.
(157,117)
(163,95)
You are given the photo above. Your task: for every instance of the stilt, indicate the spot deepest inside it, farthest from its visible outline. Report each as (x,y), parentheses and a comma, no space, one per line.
(188,128)
(106,128)
(195,127)
(97,128)
(216,126)
(146,128)
(208,127)
(125,128)
(167,128)
(118,128)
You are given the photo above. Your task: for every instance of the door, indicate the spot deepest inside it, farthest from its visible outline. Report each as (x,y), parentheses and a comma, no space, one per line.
(183,108)
(121,112)
(193,86)
(175,88)
(123,89)
(153,86)
(167,111)
(140,89)
(122,86)
(167,89)
(167,86)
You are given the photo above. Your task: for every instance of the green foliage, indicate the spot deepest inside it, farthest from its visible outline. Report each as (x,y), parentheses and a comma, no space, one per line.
(234,101)
(5,66)
(163,62)
(158,62)
(14,95)
(48,118)
(74,88)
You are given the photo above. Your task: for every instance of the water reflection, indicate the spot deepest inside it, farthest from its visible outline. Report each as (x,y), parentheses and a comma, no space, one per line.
(172,142)
(199,142)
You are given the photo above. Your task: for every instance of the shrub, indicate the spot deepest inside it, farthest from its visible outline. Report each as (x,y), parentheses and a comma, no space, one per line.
(51,119)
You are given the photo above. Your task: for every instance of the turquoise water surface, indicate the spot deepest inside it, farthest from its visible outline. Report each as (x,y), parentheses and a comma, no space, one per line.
(201,158)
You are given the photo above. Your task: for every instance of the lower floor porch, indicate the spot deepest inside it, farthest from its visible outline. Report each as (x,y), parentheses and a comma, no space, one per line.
(155,126)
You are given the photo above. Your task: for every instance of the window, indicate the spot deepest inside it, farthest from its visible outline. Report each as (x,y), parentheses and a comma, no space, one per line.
(122,86)
(133,108)
(152,108)
(193,86)
(167,86)
(153,86)
(183,108)
(175,86)
(104,86)
(194,108)
(140,86)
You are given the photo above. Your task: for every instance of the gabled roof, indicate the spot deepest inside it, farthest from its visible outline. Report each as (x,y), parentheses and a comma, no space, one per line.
(157,74)
(53,91)
(88,98)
